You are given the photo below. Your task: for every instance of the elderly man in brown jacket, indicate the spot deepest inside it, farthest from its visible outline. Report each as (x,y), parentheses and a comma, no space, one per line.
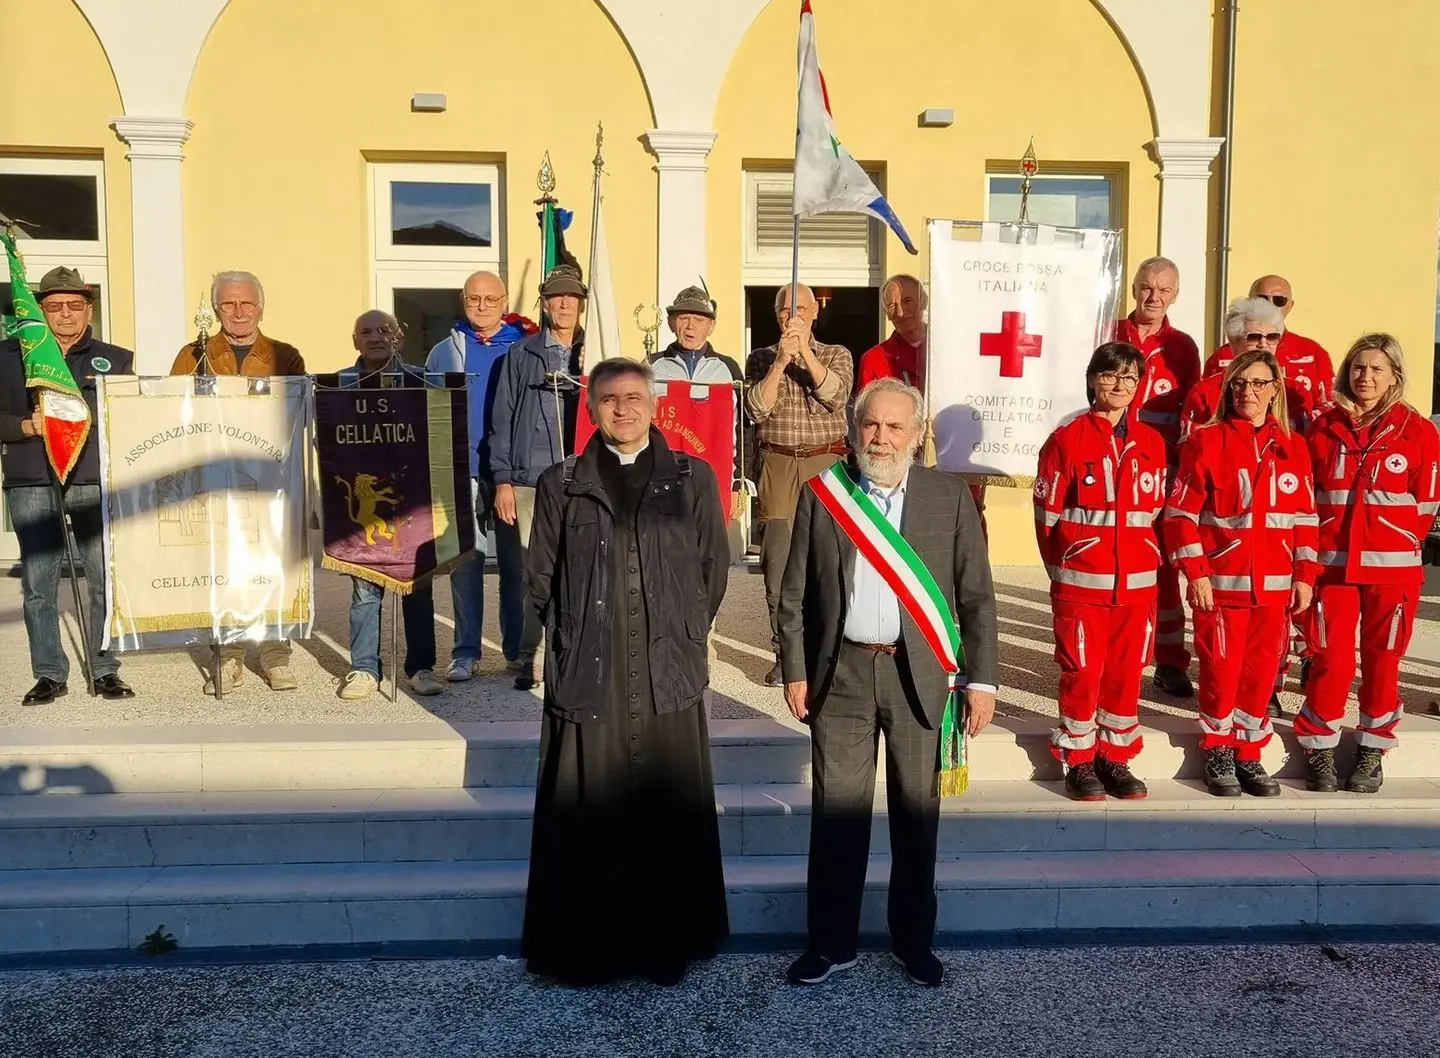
(240,349)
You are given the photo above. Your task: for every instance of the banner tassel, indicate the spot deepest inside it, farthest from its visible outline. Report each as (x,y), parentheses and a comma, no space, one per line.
(952,773)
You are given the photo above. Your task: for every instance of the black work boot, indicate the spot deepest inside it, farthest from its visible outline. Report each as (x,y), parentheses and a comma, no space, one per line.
(1369,773)
(1082,784)
(1320,771)
(1255,780)
(774,678)
(1220,772)
(1118,780)
(1173,681)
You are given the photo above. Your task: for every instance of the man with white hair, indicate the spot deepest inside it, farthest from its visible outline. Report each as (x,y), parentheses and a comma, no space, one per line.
(240,349)
(1172,367)
(859,658)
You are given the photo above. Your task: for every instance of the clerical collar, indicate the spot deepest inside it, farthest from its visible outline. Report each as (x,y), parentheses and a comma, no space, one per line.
(626,458)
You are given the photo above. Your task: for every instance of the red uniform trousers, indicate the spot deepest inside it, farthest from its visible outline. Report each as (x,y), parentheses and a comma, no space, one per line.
(1170,619)
(1240,648)
(1101,650)
(1385,614)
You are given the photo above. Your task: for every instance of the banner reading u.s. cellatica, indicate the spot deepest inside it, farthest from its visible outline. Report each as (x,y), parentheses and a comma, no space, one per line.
(1013,325)
(696,417)
(394,476)
(205,510)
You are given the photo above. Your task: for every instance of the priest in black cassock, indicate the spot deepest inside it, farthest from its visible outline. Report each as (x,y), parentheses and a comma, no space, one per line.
(627,567)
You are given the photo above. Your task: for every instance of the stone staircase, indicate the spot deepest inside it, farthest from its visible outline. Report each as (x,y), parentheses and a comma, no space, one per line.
(413,834)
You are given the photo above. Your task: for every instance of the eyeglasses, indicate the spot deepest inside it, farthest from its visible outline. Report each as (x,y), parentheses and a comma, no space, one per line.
(1278,300)
(489,301)
(1255,338)
(1110,378)
(1259,385)
(51,305)
(231,308)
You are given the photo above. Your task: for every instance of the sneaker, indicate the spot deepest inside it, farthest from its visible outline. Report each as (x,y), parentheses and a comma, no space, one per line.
(232,675)
(813,968)
(1119,781)
(1369,771)
(922,966)
(1320,771)
(281,678)
(1173,681)
(461,669)
(1082,784)
(1220,772)
(358,684)
(1273,708)
(426,683)
(1255,780)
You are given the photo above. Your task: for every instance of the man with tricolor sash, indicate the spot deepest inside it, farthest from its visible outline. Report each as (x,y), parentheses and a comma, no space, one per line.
(887,624)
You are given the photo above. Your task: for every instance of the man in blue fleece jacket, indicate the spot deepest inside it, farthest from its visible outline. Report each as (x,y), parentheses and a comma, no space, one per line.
(477,346)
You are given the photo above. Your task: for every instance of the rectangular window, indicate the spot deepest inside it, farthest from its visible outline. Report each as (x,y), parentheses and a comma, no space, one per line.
(840,249)
(437,215)
(1065,200)
(52,207)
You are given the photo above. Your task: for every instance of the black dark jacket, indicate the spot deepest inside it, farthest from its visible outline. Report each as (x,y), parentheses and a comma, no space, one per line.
(24,461)
(570,574)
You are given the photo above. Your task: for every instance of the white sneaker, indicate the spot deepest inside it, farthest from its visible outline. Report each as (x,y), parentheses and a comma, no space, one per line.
(426,683)
(461,669)
(358,684)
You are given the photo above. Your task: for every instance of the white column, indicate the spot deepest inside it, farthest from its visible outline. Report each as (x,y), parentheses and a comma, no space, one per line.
(157,233)
(680,159)
(1185,222)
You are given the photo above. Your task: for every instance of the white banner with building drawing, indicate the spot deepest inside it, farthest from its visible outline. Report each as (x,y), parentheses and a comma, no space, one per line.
(1015,313)
(205,509)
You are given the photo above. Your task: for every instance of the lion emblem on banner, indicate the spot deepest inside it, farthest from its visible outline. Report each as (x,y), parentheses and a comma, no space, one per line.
(362,504)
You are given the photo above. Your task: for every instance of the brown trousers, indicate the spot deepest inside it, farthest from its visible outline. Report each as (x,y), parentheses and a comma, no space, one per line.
(781,479)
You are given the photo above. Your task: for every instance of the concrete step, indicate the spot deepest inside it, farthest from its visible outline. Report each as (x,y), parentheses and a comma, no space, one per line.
(352,903)
(439,755)
(769,819)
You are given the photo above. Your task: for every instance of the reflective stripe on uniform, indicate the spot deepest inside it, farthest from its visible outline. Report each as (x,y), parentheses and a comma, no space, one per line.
(1392,559)
(1084,580)
(1141,580)
(1109,469)
(1279,520)
(1187,551)
(1334,558)
(1216,725)
(1307,519)
(1252,728)
(1081,516)
(1139,519)
(1430,508)
(1247,491)
(1305,554)
(1278,582)
(1046,518)
(1176,512)
(1230,521)
(1328,740)
(1225,583)
(1381,498)
(1334,497)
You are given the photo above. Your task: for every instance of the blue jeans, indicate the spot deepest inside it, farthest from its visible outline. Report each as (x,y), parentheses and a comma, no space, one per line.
(36,517)
(416,609)
(467,590)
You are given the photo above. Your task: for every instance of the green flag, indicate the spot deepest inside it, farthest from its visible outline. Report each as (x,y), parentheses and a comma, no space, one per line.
(65,413)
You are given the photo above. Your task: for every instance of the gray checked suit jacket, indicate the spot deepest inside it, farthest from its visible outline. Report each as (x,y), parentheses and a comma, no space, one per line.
(941,524)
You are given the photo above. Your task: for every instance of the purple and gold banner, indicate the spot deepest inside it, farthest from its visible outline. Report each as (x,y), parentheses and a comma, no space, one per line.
(394,472)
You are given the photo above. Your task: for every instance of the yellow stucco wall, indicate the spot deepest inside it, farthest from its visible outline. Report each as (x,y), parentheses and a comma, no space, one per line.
(1008,72)
(288,99)
(1337,169)
(71,117)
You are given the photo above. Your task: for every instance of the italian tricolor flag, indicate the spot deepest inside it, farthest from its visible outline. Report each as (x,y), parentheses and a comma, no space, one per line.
(66,415)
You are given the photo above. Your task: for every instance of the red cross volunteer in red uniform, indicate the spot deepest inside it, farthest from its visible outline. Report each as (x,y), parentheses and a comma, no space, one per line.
(1250,323)
(1241,525)
(1376,461)
(1098,489)
(1172,367)
(1307,366)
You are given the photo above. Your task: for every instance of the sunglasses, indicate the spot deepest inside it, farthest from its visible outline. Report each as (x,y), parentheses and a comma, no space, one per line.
(1255,338)
(1278,300)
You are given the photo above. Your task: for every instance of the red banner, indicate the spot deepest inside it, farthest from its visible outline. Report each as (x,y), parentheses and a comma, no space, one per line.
(696,417)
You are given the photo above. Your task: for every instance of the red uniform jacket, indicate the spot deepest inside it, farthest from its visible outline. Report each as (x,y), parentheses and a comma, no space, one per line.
(1304,361)
(1376,495)
(1172,367)
(1242,512)
(893,358)
(1204,399)
(1096,501)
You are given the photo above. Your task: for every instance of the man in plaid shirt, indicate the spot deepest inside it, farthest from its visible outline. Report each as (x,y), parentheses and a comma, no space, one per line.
(796,394)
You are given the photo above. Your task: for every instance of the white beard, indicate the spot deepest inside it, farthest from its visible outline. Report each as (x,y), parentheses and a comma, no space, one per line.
(886,470)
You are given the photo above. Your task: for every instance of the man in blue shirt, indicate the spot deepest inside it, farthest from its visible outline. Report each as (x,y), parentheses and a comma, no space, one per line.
(477,346)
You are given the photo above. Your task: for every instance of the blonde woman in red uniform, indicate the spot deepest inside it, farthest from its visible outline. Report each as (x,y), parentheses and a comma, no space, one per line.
(1241,526)
(1376,461)
(1098,489)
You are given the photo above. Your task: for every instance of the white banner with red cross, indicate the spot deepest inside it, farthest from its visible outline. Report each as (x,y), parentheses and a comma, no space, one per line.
(695,417)
(1016,311)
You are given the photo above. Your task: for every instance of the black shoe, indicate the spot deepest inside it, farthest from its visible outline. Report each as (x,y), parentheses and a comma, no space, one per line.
(1173,681)
(1220,772)
(113,688)
(45,691)
(1274,709)
(1303,676)
(1119,781)
(667,975)
(812,968)
(526,680)
(1369,771)
(1082,784)
(773,678)
(1255,780)
(923,967)
(1320,771)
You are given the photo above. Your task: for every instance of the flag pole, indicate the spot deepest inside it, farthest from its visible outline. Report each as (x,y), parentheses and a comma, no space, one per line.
(794,265)
(599,162)
(65,530)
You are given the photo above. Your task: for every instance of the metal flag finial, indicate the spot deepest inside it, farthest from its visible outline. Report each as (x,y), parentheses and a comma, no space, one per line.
(545,178)
(1029,166)
(599,160)
(648,329)
(204,319)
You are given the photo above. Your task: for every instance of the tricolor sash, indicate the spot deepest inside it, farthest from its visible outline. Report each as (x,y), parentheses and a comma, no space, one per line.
(913,584)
